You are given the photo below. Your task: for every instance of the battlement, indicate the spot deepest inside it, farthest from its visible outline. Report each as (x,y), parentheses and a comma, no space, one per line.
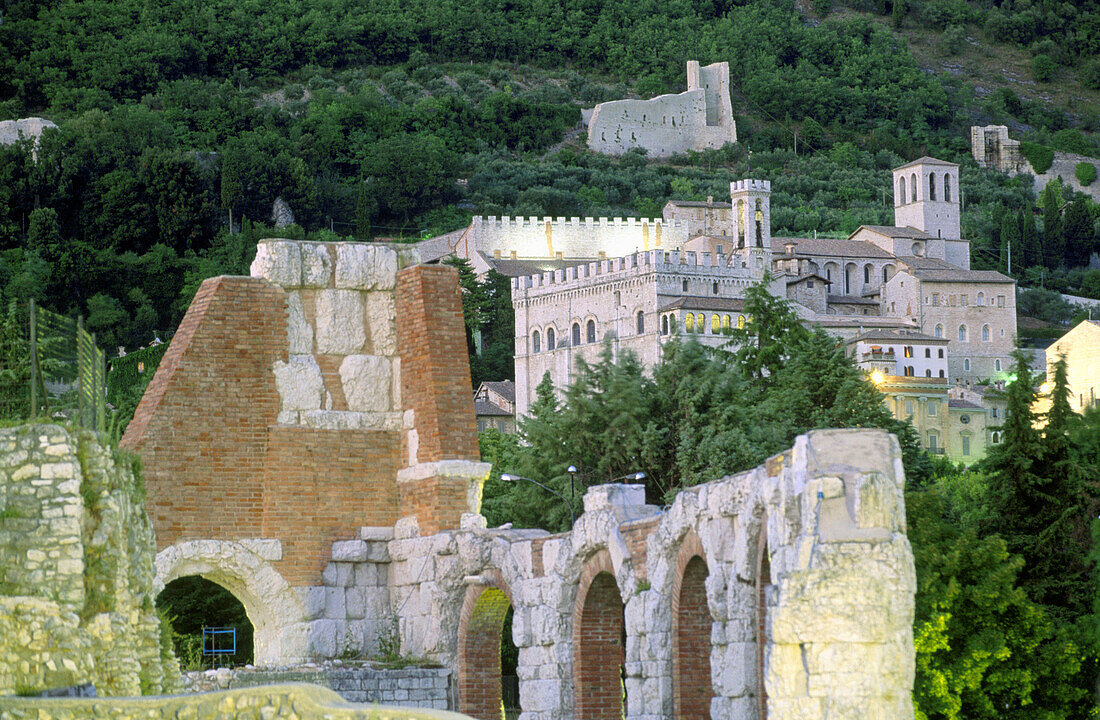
(506,221)
(750,185)
(717,265)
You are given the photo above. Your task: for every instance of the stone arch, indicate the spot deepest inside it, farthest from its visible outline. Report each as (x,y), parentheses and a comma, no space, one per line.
(273,607)
(762,582)
(598,650)
(850,271)
(900,198)
(691,631)
(479,636)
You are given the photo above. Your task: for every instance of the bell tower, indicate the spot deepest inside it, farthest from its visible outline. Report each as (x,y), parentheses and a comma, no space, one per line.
(926,197)
(752,222)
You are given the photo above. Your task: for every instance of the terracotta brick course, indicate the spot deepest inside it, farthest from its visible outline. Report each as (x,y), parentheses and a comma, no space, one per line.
(598,650)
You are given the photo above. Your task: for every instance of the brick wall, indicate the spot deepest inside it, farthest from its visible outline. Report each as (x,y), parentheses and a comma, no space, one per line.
(321,486)
(637,535)
(598,651)
(435,385)
(201,427)
(691,631)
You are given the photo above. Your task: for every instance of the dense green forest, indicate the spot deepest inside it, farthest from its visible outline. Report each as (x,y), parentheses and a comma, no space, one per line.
(181,125)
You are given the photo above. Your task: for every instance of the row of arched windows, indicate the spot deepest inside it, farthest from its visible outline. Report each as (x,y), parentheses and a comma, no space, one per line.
(719,324)
(931,194)
(963,332)
(589,335)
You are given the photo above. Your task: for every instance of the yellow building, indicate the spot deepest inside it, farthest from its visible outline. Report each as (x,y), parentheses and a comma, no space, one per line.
(1081,346)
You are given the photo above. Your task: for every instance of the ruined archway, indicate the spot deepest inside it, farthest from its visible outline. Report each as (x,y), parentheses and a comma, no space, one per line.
(692,689)
(598,648)
(479,643)
(273,607)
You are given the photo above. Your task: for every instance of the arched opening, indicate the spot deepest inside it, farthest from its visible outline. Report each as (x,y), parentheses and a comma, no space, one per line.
(590,332)
(946,187)
(849,278)
(868,271)
(901,191)
(639,322)
(763,583)
(913,187)
(487,683)
(689,323)
(985,334)
(962,333)
(576,334)
(932,186)
(272,606)
(691,629)
(664,324)
(715,324)
(536,341)
(598,645)
(550,338)
(193,603)
(887,273)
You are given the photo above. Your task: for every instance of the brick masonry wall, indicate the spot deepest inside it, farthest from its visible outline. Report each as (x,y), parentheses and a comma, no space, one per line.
(598,651)
(201,428)
(330,482)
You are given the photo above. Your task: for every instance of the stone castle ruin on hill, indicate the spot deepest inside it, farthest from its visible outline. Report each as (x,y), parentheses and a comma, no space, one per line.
(699,119)
(309,443)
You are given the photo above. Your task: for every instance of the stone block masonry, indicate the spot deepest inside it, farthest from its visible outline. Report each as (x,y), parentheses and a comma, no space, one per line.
(76,569)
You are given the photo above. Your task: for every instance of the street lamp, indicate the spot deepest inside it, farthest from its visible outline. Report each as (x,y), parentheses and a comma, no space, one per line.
(633,476)
(572,470)
(508,477)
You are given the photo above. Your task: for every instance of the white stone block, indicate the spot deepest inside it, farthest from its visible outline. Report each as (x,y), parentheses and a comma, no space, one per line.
(349,551)
(365,267)
(279,261)
(316,265)
(366,382)
(313,601)
(340,327)
(322,638)
(299,383)
(299,333)
(334,603)
(376,533)
(381,314)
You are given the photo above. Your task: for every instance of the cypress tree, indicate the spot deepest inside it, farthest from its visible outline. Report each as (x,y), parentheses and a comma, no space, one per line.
(1079,234)
(1030,242)
(1010,238)
(1054,240)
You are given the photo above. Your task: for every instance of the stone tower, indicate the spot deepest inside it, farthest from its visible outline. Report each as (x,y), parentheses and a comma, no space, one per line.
(752,218)
(926,197)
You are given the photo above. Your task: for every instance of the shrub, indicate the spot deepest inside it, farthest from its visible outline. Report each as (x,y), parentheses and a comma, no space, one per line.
(1043,68)
(953,39)
(1090,74)
(1085,172)
(1040,156)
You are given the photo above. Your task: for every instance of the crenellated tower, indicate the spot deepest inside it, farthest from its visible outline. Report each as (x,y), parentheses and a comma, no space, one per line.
(752,219)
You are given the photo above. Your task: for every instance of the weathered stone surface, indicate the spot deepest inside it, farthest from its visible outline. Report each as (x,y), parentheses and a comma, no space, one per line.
(381,314)
(366,382)
(316,265)
(299,333)
(299,383)
(340,329)
(279,261)
(365,267)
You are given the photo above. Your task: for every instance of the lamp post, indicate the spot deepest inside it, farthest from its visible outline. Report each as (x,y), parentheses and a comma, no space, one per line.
(572,470)
(508,477)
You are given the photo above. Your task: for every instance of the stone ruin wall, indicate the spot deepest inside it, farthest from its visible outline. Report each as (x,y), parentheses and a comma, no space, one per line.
(992,148)
(699,119)
(76,569)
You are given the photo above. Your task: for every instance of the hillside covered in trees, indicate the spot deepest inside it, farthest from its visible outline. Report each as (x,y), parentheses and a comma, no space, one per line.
(180,126)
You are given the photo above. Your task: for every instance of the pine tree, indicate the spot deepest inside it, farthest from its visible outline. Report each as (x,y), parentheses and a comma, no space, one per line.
(1054,239)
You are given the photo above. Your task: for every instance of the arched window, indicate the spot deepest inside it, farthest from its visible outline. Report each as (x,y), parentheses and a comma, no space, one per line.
(981,299)
(885,274)
(639,322)
(550,338)
(590,331)
(536,342)
(946,187)
(966,364)
(700,323)
(985,333)
(725,323)
(664,324)
(684,285)
(901,190)
(576,334)
(941,373)
(740,322)
(866,274)
(962,333)
(689,323)
(715,324)
(913,187)
(997,367)
(928,373)
(933,440)
(932,186)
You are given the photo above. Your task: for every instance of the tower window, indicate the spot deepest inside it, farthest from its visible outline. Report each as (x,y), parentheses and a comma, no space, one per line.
(932,186)
(550,338)
(591,331)
(536,342)
(639,322)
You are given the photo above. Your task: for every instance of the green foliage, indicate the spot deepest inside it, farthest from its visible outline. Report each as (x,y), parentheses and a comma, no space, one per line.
(1085,172)
(192,603)
(127,378)
(1090,73)
(1043,68)
(1040,156)
(953,38)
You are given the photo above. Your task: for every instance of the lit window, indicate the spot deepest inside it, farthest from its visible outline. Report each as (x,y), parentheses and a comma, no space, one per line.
(536,342)
(740,322)
(725,323)
(700,322)
(715,324)
(908,351)
(689,323)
